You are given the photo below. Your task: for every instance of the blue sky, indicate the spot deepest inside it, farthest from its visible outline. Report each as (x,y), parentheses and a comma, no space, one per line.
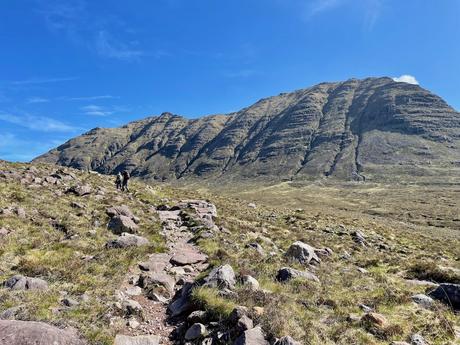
(69,66)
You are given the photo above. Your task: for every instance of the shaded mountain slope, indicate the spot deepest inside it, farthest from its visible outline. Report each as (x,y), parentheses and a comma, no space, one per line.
(373,128)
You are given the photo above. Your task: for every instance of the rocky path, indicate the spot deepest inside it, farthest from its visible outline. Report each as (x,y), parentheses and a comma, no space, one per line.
(150,286)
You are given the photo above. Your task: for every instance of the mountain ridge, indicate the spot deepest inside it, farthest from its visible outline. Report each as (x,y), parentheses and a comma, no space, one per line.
(351,130)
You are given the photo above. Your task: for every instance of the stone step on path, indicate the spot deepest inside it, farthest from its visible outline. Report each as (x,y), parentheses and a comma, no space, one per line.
(162,274)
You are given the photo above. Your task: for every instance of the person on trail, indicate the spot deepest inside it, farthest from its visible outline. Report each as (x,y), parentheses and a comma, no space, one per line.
(126,177)
(118,180)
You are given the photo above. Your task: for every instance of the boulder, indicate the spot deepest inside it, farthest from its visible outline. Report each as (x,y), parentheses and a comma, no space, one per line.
(222,277)
(303,253)
(257,247)
(19,282)
(244,323)
(36,333)
(447,293)
(181,303)
(3,232)
(359,238)
(287,273)
(254,336)
(287,340)
(197,316)
(196,331)
(250,282)
(120,224)
(423,300)
(131,307)
(80,190)
(122,210)
(20,212)
(158,283)
(417,339)
(10,313)
(137,340)
(187,255)
(127,240)
(156,262)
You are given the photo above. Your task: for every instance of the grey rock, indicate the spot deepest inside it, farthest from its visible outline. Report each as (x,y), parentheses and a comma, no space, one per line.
(417,339)
(222,277)
(423,300)
(197,330)
(157,283)
(19,282)
(244,323)
(131,307)
(10,313)
(69,302)
(197,316)
(120,224)
(181,303)
(250,282)
(286,273)
(36,333)
(287,340)
(137,340)
(257,247)
(187,255)
(254,336)
(80,190)
(303,253)
(127,240)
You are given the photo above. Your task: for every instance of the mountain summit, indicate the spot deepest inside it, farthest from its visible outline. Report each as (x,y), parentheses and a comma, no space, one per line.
(372,129)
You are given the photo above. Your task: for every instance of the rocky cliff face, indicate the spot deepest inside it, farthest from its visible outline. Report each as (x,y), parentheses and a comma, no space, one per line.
(371,128)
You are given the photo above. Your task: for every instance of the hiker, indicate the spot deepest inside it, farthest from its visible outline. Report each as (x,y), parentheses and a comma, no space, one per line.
(124,186)
(118,180)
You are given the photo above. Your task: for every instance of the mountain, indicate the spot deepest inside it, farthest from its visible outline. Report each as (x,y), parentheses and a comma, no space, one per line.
(372,129)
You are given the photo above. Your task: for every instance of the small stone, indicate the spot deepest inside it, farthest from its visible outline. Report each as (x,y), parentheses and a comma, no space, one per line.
(131,307)
(417,339)
(423,300)
(222,277)
(303,253)
(197,316)
(287,340)
(287,273)
(137,340)
(244,323)
(254,336)
(127,240)
(133,291)
(250,282)
(69,302)
(133,323)
(120,224)
(196,331)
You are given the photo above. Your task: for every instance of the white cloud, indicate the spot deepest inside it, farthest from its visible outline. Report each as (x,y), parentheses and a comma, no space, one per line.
(96,110)
(88,98)
(32,81)
(319,6)
(108,46)
(406,78)
(37,100)
(37,123)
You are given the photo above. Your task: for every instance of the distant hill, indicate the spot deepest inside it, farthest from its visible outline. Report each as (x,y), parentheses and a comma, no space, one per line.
(374,129)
